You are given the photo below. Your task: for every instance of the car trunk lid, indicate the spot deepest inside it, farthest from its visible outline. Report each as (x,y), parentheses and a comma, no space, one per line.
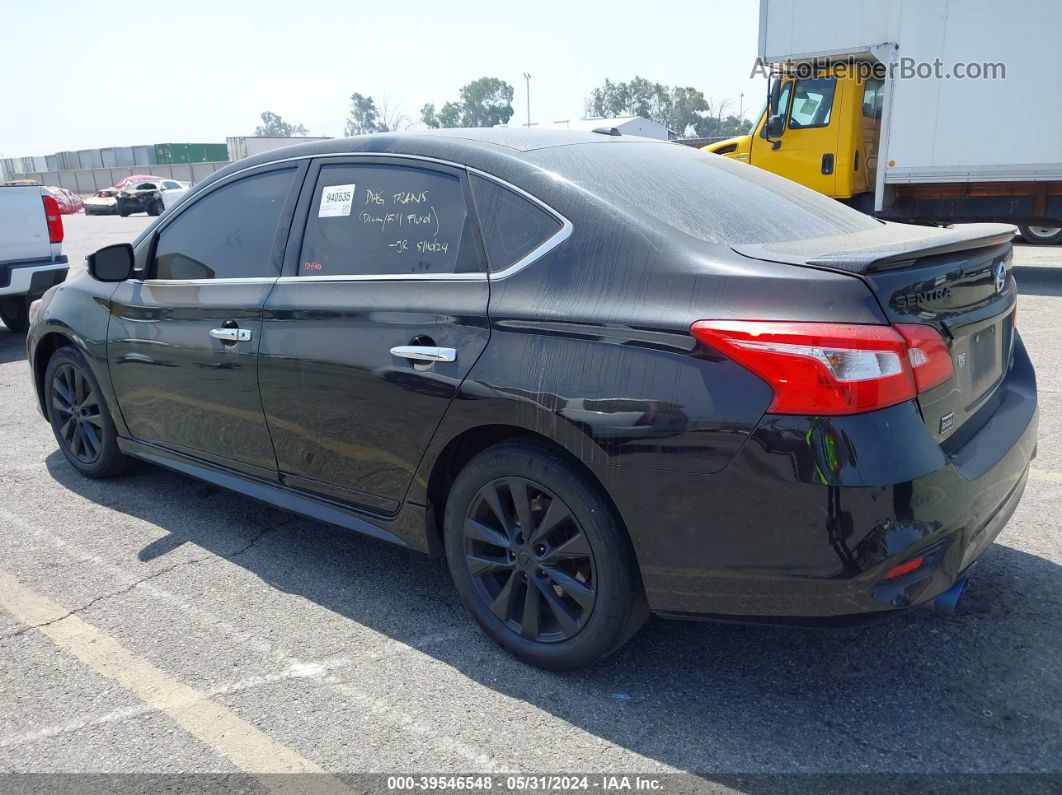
(957,280)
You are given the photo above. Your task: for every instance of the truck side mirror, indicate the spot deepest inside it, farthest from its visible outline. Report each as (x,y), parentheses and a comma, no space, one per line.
(773,96)
(774,127)
(112,263)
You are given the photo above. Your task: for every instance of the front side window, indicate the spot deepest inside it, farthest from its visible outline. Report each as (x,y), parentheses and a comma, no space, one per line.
(812,103)
(512,225)
(369,220)
(229,233)
(170,186)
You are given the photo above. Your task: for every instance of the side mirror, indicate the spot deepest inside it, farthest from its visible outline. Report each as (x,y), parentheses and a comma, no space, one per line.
(112,263)
(773,97)
(774,127)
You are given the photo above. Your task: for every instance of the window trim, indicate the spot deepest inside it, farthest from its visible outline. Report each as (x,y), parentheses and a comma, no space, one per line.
(297,226)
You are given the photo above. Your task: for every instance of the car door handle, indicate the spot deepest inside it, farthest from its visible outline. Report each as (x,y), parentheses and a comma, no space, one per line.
(231,334)
(424,353)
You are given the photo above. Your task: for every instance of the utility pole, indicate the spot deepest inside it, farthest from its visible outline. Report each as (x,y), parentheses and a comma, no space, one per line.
(527,77)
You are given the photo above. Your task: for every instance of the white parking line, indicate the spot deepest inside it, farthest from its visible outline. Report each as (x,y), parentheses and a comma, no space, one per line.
(1043,474)
(246,746)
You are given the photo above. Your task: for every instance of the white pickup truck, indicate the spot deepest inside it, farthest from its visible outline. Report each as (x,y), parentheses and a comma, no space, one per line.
(31,245)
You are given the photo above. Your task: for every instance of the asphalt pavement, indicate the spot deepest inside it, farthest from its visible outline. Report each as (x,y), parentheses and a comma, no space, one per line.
(154,623)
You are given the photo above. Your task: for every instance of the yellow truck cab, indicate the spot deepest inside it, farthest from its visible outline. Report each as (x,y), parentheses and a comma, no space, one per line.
(889,109)
(821,131)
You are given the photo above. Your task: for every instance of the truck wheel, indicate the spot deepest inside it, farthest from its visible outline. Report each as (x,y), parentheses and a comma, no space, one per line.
(14,311)
(540,558)
(80,418)
(1041,235)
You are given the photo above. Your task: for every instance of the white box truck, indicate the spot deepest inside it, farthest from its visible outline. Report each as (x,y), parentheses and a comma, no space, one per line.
(932,111)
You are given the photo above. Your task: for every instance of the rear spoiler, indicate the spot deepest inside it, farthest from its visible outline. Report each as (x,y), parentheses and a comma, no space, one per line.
(891,245)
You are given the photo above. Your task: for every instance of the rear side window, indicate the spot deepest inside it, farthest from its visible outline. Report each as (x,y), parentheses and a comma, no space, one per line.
(873,98)
(227,234)
(382,220)
(512,225)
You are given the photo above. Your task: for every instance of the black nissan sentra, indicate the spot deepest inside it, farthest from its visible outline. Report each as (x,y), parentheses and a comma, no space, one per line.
(603,376)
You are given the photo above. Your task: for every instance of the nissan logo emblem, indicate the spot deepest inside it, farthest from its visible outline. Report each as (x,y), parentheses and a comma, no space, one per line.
(1000,272)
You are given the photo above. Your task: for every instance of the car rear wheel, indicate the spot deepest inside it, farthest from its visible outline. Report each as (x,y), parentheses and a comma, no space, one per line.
(80,418)
(1041,235)
(540,559)
(156,207)
(14,311)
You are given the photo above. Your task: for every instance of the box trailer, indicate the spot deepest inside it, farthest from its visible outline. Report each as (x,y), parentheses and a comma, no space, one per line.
(918,110)
(243,146)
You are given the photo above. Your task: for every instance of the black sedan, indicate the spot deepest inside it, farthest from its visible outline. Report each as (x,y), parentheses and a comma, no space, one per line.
(603,376)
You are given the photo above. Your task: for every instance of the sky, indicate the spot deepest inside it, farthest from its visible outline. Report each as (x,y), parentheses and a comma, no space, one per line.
(78,75)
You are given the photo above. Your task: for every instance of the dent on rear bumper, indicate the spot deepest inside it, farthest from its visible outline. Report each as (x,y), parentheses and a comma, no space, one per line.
(814,510)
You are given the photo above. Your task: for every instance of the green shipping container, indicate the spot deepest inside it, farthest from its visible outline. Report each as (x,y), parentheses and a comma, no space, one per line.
(167,154)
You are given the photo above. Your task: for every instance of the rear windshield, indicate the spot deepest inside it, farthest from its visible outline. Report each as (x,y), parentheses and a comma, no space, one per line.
(707,196)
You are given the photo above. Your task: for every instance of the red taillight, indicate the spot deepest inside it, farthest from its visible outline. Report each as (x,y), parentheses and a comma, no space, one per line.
(832,368)
(904,568)
(55,220)
(928,355)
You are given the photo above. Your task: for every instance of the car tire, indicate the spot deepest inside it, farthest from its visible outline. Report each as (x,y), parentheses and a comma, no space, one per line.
(14,311)
(80,417)
(1041,235)
(156,207)
(564,595)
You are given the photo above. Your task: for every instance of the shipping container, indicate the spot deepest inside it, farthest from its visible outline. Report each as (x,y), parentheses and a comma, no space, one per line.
(117,156)
(242,146)
(190,153)
(144,155)
(67,161)
(89,158)
(51,162)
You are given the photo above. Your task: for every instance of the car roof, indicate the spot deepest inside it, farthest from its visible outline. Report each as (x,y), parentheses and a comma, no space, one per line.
(467,146)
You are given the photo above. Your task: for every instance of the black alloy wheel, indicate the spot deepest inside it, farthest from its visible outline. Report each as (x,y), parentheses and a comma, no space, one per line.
(80,418)
(529,560)
(79,421)
(540,557)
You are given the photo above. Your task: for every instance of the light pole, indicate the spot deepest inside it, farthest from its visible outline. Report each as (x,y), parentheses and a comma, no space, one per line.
(527,78)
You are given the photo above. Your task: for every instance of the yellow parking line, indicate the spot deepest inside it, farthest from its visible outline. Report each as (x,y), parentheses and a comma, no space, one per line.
(247,747)
(1043,474)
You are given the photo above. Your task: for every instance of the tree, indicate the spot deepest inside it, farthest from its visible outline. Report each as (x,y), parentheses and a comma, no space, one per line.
(273,126)
(485,102)
(364,117)
(683,109)
(391,116)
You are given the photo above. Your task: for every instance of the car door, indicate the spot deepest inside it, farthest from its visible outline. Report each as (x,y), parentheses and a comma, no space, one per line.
(183,342)
(381,313)
(171,192)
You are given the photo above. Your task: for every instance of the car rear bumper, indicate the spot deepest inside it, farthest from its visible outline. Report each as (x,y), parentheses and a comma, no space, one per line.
(804,524)
(32,277)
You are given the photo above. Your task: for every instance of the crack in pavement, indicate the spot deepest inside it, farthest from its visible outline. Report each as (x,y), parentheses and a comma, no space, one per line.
(164,570)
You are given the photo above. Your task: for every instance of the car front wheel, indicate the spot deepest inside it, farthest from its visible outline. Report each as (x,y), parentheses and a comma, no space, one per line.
(540,558)
(80,418)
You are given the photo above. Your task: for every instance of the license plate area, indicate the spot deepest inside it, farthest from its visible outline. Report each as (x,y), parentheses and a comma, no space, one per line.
(979,360)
